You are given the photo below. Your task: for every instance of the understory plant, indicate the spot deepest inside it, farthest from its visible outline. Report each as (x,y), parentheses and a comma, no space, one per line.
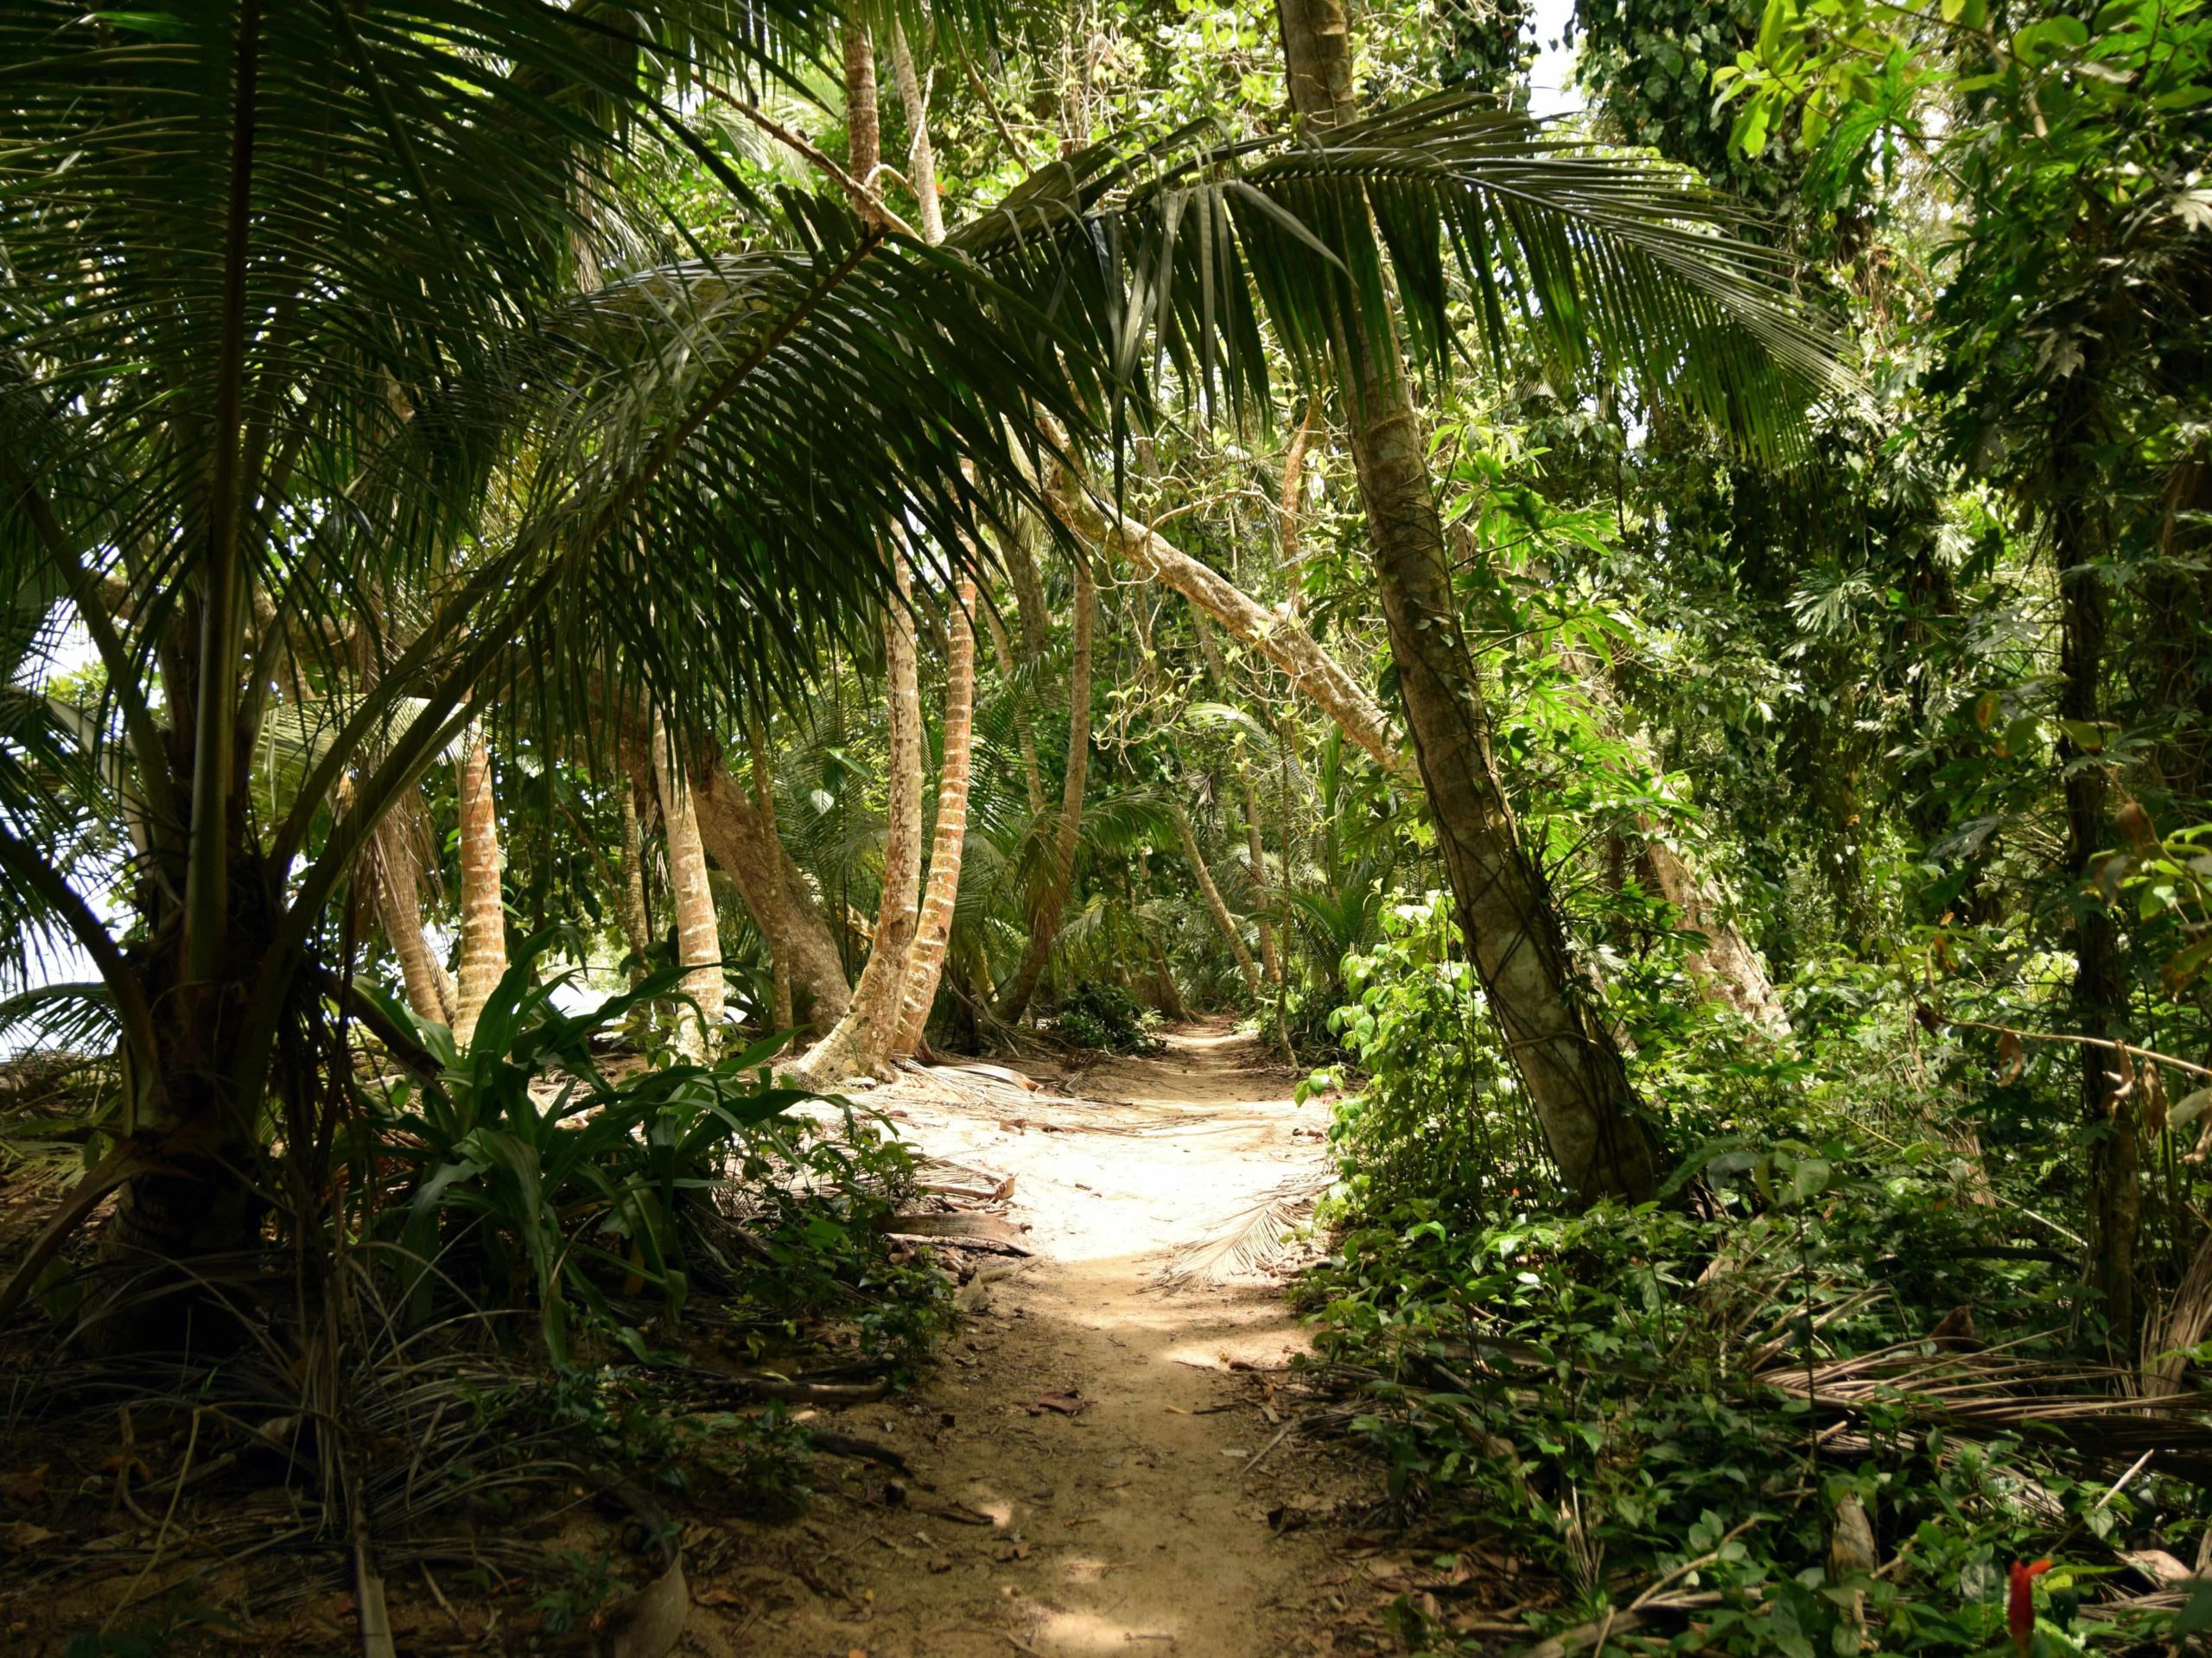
(1817,1399)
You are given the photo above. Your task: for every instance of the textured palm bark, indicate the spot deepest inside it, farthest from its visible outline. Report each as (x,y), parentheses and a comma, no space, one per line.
(698,933)
(399,911)
(771,929)
(863,129)
(1576,1082)
(1050,896)
(635,919)
(633,912)
(934,928)
(862,1040)
(483,914)
(739,840)
(1222,918)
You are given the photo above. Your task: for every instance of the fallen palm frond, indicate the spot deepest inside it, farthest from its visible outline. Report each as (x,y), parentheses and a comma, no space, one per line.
(2087,1409)
(1251,1240)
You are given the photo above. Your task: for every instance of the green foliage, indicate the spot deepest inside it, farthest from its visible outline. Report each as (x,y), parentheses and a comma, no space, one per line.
(526,1177)
(1435,1116)
(1596,1396)
(1099,1015)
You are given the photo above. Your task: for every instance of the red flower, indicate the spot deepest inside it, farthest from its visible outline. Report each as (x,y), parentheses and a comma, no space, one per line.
(2020,1604)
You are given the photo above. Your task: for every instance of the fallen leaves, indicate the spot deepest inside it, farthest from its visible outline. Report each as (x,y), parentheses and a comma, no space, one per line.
(1067,1404)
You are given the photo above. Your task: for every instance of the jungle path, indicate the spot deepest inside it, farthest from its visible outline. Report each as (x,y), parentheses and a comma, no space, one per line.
(1103,1402)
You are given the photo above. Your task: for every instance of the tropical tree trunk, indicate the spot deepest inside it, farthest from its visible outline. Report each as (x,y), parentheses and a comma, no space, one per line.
(1255,849)
(934,928)
(633,914)
(1292,500)
(776,891)
(483,959)
(1226,922)
(862,1039)
(921,160)
(1276,635)
(399,910)
(698,933)
(1725,965)
(772,929)
(863,130)
(2110,1101)
(636,920)
(1050,897)
(1575,1078)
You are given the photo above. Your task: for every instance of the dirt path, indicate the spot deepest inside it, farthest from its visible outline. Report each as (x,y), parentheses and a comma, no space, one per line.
(1137,1523)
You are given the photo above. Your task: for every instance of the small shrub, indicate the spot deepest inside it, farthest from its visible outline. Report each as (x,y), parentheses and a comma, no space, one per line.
(1106,1016)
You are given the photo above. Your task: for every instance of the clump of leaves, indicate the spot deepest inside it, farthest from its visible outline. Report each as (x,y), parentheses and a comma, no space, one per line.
(1597,1395)
(1101,1015)
(1430,1109)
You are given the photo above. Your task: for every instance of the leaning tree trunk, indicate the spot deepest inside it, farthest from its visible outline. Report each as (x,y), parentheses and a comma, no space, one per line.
(935,929)
(921,159)
(1275,634)
(862,1039)
(399,910)
(1577,1083)
(1219,910)
(745,843)
(698,933)
(483,961)
(1051,895)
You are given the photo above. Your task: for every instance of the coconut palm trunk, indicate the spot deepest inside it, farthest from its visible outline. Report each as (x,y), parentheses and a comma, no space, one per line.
(1050,896)
(1576,1081)
(934,928)
(744,840)
(399,910)
(698,933)
(483,958)
(863,1038)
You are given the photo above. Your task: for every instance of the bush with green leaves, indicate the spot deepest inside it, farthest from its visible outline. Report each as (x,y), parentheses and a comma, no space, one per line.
(522,1176)
(1430,1111)
(1103,1015)
(1628,1397)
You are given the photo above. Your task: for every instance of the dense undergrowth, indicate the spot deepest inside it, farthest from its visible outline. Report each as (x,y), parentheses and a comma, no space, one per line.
(579,1296)
(1819,1399)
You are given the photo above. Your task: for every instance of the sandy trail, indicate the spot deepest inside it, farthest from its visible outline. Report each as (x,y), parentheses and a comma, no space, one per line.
(1136,1524)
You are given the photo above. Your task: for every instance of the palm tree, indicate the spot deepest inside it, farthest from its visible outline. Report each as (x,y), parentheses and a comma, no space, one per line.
(483,954)
(239,400)
(698,935)
(948,844)
(1596,260)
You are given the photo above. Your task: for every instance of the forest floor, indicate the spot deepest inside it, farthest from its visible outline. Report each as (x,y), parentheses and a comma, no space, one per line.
(1101,1455)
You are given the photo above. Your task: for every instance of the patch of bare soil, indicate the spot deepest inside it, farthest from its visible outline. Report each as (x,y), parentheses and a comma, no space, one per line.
(1101,1458)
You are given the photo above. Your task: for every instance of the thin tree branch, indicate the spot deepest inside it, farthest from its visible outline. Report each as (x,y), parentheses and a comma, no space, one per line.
(871,205)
